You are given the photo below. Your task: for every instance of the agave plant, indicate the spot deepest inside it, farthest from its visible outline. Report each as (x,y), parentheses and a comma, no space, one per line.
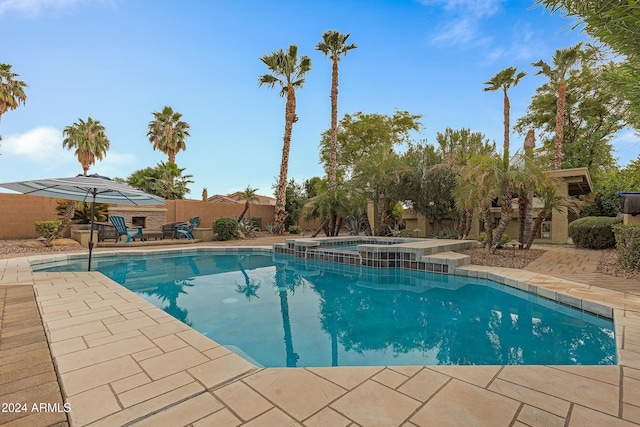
(247,227)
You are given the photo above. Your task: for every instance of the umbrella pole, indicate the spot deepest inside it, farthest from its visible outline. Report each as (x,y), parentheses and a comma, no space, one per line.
(93,215)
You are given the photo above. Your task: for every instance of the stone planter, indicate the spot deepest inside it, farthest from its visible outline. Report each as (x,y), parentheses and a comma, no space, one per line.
(204,234)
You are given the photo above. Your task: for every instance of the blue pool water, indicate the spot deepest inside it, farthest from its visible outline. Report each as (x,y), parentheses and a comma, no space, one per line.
(285,312)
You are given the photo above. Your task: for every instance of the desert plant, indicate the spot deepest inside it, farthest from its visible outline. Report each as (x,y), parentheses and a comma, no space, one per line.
(627,246)
(447,233)
(247,227)
(593,232)
(225,228)
(482,239)
(295,229)
(47,229)
(256,221)
(82,212)
(270,227)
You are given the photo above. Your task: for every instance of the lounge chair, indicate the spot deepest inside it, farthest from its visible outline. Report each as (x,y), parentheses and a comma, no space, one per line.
(122,229)
(185,229)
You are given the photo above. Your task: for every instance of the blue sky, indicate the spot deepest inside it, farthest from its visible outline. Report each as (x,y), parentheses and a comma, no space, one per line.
(120,60)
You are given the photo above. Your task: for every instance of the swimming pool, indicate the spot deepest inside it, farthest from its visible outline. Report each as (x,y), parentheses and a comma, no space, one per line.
(282,311)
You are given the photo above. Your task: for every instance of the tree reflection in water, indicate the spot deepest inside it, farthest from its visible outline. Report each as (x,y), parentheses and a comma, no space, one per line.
(170,291)
(471,325)
(285,282)
(250,287)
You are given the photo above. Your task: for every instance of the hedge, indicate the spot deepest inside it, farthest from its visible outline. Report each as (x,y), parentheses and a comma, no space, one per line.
(627,246)
(593,232)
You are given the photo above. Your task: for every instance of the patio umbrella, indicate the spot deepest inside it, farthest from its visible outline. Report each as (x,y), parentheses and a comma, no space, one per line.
(82,187)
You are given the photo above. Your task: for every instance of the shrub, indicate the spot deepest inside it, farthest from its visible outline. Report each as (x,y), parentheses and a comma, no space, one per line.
(295,229)
(593,232)
(482,239)
(627,246)
(225,228)
(47,229)
(197,222)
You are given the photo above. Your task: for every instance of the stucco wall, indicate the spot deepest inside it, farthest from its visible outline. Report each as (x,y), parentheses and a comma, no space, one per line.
(19,212)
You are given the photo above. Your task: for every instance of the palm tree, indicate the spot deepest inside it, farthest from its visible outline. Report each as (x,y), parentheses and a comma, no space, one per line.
(476,182)
(11,90)
(332,206)
(551,201)
(333,45)
(91,143)
(504,80)
(287,71)
(378,172)
(89,139)
(563,61)
(248,195)
(167,132)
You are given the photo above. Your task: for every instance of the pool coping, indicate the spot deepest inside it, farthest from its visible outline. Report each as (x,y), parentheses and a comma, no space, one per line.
(111,347)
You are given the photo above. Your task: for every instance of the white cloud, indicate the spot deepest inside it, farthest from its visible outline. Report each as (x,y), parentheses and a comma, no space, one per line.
(41,148)
(36,7)
(42,144)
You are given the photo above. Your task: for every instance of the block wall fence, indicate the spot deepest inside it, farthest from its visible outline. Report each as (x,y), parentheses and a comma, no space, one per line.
(19,212)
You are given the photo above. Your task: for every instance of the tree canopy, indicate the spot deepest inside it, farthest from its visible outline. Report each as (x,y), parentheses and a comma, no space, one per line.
(362,135)
(167,132)
(11,90)
(89,139)
(165,180)
(614,23)
(593,115)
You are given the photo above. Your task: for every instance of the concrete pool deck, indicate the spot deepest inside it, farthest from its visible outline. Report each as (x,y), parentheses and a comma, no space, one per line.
(122,361)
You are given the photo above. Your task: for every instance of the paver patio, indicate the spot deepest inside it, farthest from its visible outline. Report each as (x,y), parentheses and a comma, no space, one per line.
(122,361)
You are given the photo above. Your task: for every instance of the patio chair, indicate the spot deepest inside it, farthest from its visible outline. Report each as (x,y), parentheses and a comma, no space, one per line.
(122,229)
(185,229)
(168,229)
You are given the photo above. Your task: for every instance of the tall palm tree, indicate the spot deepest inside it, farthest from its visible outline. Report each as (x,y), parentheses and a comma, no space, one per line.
(11,90)
(91,143)
(167,132)
(248,195)
(563,61)
(288,71)
(504,80)
(89,139)
(334,46)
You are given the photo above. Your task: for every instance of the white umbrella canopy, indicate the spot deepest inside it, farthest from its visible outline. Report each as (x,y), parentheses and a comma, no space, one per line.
(84,188)
(94,188)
